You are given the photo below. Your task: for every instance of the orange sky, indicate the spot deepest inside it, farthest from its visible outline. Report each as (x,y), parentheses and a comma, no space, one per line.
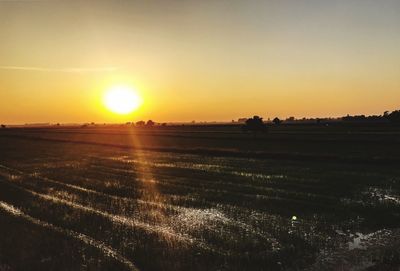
(198,60)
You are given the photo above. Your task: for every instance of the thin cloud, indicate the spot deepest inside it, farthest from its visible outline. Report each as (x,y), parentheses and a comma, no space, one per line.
(67,70)
(24,1)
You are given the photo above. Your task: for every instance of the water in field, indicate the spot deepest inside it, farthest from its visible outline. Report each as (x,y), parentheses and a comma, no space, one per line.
(138,210)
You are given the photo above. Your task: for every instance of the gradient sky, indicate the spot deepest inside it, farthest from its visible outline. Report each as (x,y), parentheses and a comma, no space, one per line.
(198,60)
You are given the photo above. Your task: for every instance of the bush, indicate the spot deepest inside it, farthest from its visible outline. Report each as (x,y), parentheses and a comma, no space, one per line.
(255,124)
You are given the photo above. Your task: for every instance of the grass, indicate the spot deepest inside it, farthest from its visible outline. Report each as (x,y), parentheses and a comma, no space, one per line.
(189,198)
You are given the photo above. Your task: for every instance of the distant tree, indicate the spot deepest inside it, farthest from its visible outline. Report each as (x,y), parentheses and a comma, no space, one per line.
(276,121)
(164,124)
(255,124)
(3,126)
(394,116)
(140,123)
(150,123)
(356,118)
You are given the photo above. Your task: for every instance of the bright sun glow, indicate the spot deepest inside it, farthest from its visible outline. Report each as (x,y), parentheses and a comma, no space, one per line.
(122,100)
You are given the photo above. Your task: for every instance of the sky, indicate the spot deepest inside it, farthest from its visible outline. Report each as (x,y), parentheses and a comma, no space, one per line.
(198,60)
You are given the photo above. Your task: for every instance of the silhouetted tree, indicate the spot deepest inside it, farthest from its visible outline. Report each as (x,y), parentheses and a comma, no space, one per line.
(255,124)
(140,123)
(150,123)
(394,116)
(276,121)
(3,126)
(363,118)
(355,118)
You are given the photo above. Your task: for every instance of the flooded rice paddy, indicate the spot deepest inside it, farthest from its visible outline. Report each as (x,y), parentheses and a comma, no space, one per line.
(129,209)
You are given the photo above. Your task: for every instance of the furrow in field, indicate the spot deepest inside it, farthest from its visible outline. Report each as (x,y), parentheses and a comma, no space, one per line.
(184,213)
(251,180)
(217,187)
(92,191)
(205,191)
(190,216)
(105,249)
(196,214)
(126,221)
(114,218)
(210,168)
(180,186)
(257,180)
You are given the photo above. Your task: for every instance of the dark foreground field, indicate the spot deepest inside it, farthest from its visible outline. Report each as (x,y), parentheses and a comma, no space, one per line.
(200,198)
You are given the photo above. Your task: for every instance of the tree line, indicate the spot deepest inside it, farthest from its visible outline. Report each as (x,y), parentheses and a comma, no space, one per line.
(393,117)
(257,124)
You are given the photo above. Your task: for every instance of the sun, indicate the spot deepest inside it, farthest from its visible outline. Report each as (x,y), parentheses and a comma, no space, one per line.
(122,100)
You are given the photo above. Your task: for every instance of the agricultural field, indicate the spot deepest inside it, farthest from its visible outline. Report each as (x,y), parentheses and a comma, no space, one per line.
(200,198)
